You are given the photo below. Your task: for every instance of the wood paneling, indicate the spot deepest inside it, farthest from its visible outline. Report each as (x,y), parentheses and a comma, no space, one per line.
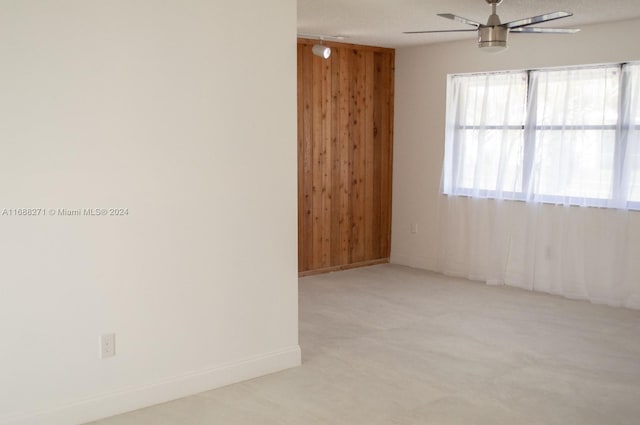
(345,133)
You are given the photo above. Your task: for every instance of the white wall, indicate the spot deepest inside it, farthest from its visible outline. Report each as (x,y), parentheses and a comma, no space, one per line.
(420,100)
(173,110)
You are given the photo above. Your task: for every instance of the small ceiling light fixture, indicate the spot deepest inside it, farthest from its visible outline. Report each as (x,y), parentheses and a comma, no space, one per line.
(321,50)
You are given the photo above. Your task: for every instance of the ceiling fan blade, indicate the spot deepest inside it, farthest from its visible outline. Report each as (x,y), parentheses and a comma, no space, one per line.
(459,19)
(432,32)
(537,19)
(534,30)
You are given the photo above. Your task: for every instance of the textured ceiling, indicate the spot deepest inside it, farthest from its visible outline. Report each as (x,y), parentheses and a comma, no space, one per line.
(381,22)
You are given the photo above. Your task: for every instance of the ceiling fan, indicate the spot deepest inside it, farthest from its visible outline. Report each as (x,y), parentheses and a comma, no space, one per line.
(492,36)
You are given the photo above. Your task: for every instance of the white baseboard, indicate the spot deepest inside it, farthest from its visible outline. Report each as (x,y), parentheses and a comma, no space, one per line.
(105,405)
(424,263)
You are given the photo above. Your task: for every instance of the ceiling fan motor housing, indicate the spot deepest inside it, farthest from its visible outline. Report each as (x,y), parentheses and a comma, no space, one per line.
(492,36)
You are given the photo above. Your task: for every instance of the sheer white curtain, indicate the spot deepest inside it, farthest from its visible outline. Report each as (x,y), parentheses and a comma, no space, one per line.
(630,135)
(561,142)
(484,138)
(572,125)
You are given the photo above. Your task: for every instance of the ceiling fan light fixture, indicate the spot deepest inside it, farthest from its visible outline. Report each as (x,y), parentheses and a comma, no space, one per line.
(493,39)
(321,50)
(494,48)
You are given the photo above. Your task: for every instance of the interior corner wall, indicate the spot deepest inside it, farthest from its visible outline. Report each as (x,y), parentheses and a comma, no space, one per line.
(174,113)
(420,101)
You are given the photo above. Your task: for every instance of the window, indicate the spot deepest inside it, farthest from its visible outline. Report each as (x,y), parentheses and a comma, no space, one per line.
(568,136)
(490,128)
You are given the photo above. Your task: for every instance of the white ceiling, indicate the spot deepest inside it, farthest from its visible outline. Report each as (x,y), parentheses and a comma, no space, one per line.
(381,22)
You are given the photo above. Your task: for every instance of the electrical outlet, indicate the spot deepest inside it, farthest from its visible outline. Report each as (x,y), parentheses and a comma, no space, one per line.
(548,253)
(107,345)
(414,228)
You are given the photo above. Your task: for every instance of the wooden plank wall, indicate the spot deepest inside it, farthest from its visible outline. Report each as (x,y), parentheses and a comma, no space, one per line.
(345,140)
